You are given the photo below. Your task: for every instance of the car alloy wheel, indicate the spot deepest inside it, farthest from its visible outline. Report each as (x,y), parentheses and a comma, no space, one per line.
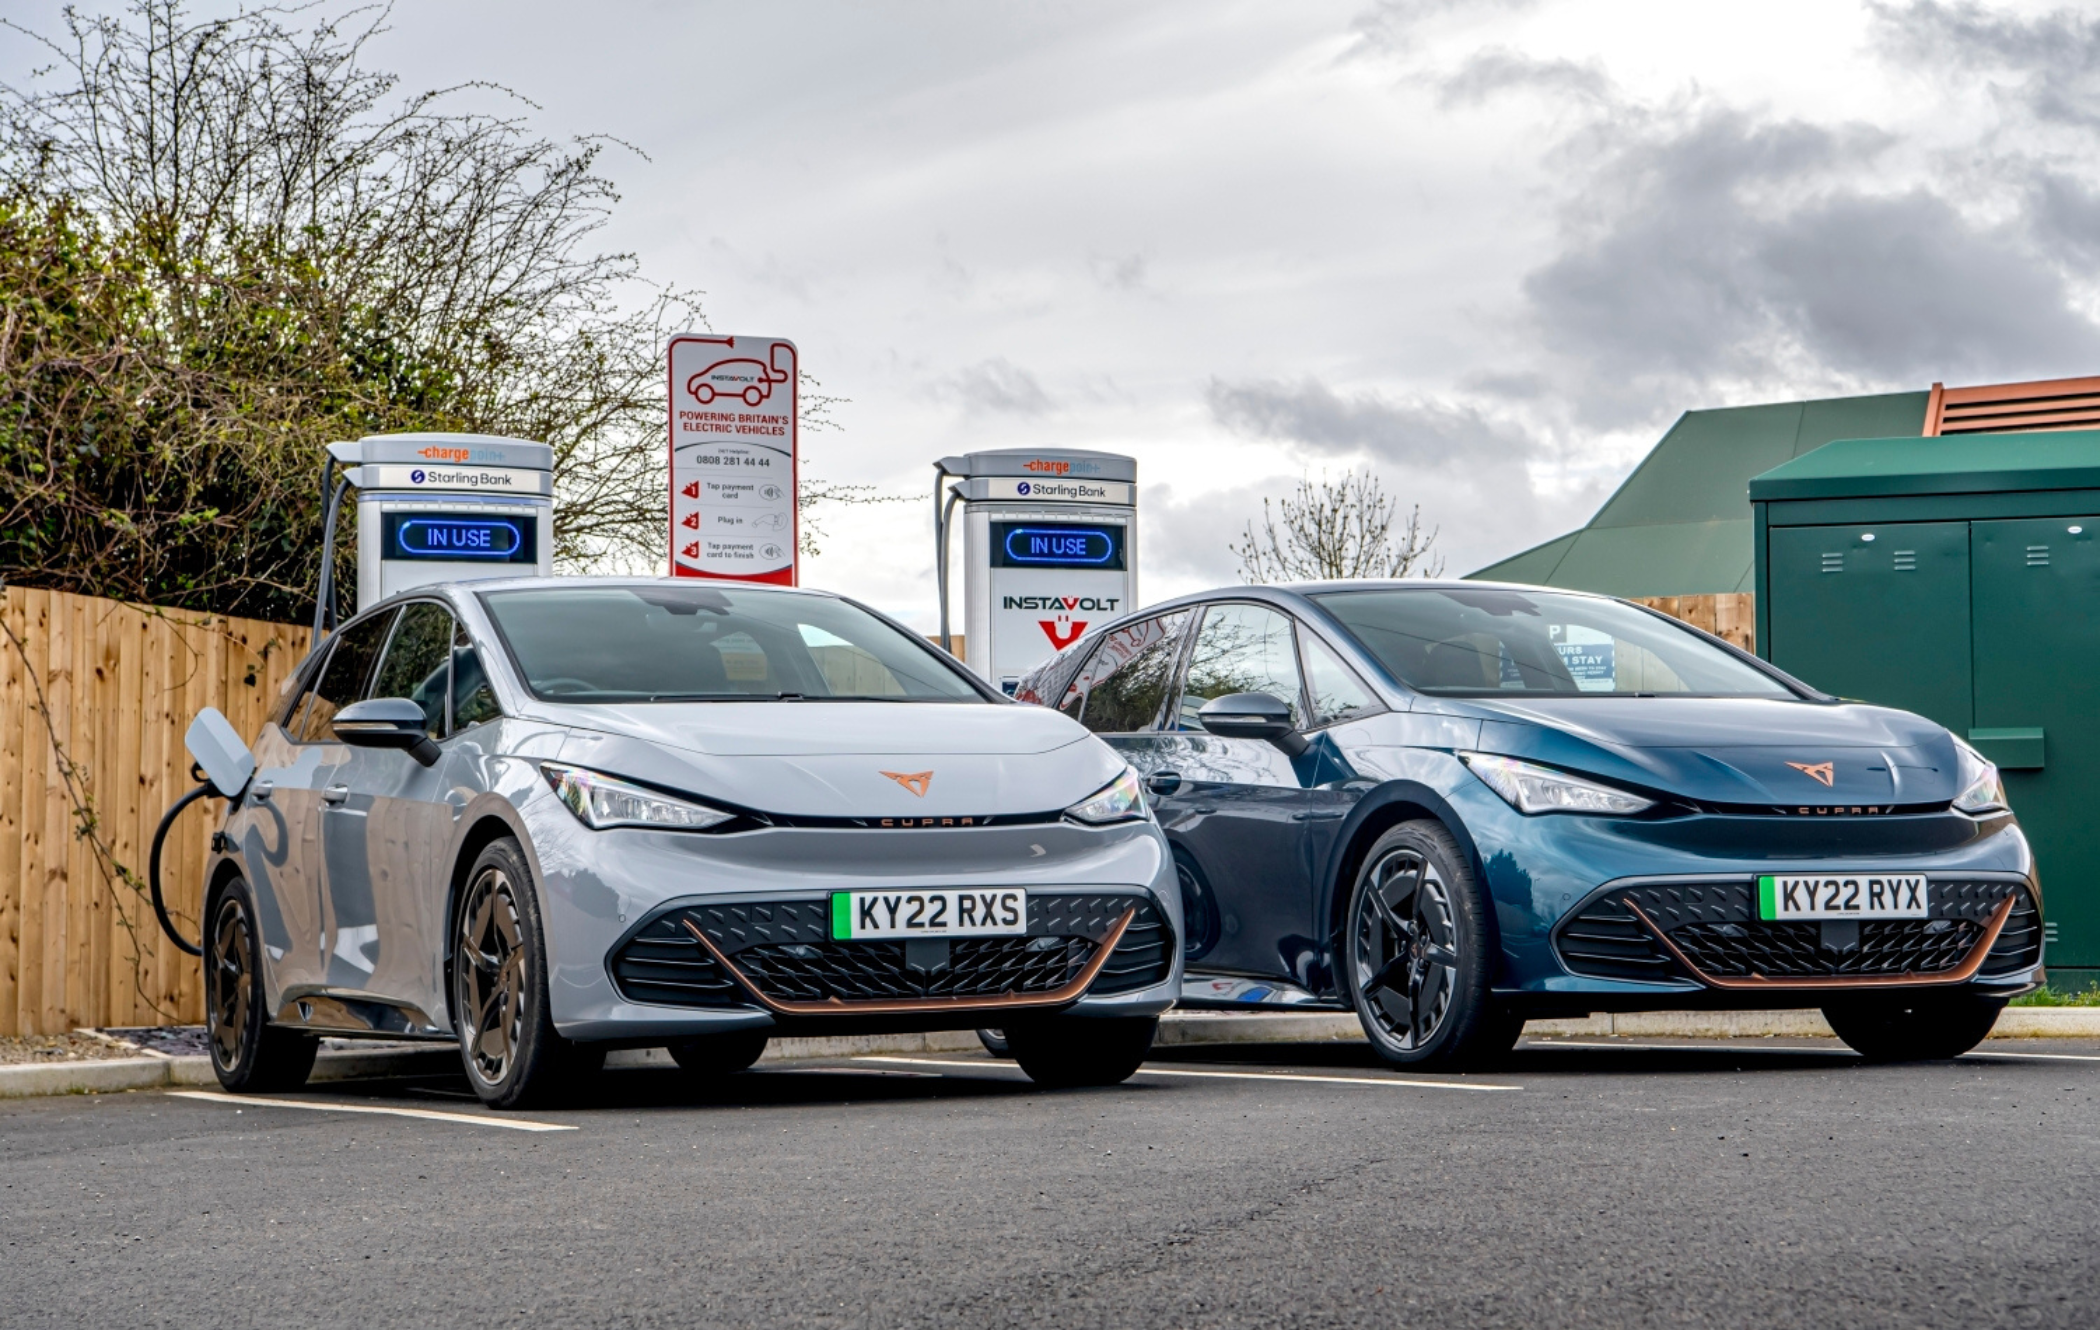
(1406,955)
(1417,951)
(230,986)
(248,1054)
(492,974)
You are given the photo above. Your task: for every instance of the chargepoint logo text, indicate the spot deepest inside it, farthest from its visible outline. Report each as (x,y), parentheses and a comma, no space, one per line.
(439,453)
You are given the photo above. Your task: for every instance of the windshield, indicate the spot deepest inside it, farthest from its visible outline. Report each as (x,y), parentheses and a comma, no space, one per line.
(1528,643)
(704,644)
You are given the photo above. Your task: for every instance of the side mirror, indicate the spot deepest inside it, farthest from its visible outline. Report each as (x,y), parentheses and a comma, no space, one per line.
(386,722)
(217,748)
(1253,716)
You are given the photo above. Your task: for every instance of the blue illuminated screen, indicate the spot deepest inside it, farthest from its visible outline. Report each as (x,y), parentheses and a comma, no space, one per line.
(1057,545)
(459,537)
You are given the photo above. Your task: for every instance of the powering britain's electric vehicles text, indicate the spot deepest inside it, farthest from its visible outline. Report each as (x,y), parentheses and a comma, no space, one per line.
(1454,806)
(546,819)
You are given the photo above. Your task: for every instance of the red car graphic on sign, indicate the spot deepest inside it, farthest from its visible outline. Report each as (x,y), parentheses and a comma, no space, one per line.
(740,376)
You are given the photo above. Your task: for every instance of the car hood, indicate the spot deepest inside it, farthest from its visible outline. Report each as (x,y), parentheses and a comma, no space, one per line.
(848,759)
(1765,751)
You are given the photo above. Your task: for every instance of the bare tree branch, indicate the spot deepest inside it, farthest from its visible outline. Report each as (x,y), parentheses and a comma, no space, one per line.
(1332,530)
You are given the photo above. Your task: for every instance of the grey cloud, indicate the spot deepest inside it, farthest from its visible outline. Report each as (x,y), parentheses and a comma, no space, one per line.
(1390,26)
(1325,423)
(1125,273)
(2066,215)
(1717,246)
(998,387)
(2056,56)
(1901,288)
(1492,72)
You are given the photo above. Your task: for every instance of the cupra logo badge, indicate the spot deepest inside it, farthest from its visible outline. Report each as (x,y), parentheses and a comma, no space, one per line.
(916,781)
(1821,771)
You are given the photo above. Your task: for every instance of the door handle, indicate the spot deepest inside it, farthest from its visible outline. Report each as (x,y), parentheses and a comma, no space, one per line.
(335,794)
(260,791)
(1163,782)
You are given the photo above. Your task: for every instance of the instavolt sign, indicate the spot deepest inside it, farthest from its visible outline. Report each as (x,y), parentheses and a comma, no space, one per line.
(1049,549)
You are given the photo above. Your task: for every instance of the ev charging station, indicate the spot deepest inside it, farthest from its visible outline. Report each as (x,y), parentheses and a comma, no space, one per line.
(439,507)
(1049,548)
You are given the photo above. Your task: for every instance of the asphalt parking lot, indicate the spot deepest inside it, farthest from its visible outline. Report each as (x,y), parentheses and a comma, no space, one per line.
(1591,1182)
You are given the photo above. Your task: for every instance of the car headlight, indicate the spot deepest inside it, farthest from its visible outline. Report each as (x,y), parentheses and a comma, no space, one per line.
(1534,789)
(1118,801)
(1981,790)
(600,801)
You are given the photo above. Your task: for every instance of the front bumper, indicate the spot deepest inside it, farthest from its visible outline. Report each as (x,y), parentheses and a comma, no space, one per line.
(1706,932)
(1546,872)
(628,970)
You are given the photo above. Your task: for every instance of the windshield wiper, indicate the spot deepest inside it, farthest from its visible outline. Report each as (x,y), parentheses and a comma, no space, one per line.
(725,697)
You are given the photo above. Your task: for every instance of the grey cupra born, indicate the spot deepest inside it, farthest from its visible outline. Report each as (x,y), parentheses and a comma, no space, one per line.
(545,819)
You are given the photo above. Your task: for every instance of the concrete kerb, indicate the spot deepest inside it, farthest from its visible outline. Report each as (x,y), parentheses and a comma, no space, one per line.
(155,1070)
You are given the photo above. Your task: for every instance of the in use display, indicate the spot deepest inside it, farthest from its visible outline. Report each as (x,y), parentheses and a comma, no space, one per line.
(1057,545)
(459,538)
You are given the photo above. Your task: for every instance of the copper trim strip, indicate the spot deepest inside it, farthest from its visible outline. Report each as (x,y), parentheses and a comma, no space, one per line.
(1959,974)
(883,1006)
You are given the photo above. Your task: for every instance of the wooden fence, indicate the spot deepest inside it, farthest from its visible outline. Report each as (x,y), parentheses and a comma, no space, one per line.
(102,692)
(1731,615)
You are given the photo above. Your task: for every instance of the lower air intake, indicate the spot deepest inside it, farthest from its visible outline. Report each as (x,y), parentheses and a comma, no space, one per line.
(785,952)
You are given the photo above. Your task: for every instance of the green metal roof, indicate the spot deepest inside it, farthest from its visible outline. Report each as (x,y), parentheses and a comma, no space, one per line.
(1680,524)
(1957,464)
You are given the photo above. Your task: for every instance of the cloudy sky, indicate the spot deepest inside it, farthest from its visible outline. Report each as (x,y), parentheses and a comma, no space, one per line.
(1487,250)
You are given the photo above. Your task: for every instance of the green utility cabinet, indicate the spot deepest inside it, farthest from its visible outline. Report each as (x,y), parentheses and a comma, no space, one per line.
(1959,578)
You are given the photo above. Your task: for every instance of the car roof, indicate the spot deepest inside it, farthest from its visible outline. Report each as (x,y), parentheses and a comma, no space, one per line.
(475,585)
(1297,593)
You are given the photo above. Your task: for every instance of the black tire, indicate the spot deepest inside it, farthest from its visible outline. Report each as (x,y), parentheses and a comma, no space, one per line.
(507,1042)
(1418,954)
(1061,1052)
(712,1055)
(994,1042)
(1914,1026)
(248,1054)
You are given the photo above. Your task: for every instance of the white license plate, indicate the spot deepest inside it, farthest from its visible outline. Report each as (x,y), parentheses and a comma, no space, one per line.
(1842,896)
(963,912)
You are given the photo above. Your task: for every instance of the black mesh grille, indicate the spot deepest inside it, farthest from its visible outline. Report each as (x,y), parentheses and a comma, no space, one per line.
(1715,924)
(871,971)
(786,950)
(665,965)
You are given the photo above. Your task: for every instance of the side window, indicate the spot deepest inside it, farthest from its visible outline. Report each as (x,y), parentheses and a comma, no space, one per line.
(473,701)
(1122,685)
(417,664)
(1241,649)
(1335,691)
(342,678)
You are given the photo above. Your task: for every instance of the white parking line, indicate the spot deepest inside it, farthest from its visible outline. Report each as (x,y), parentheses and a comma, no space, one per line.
(470,1119)
(1236,1075)
(1693,1048)
(1785,1048)
(2044,1057)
